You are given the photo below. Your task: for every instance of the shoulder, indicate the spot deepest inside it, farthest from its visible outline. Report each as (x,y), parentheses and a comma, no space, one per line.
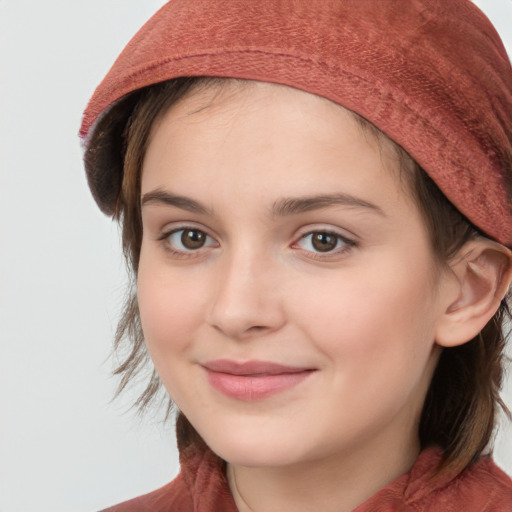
(483,487)
(201,486)
(173,497)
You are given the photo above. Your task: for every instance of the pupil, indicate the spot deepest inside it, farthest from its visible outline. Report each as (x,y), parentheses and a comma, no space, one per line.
(324,242)
(193,239)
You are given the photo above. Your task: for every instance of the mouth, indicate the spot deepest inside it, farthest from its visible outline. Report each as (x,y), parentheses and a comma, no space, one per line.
(253,380)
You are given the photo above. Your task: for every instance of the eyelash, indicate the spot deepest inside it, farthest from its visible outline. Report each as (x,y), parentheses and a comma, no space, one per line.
(342,246)
(346,243)
(183,253)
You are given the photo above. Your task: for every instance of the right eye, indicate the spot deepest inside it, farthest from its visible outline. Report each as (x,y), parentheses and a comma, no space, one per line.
(188,240)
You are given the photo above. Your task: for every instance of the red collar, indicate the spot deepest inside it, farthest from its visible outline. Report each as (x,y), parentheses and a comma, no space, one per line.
(481,487)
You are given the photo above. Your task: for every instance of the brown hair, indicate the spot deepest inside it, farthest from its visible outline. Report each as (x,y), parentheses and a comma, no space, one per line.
(461,406)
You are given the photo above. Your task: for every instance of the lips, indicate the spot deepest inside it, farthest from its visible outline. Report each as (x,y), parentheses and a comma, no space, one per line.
(253,380)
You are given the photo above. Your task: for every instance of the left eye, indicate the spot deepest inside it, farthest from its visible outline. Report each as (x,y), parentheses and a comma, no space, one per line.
(189,239)
(322,241)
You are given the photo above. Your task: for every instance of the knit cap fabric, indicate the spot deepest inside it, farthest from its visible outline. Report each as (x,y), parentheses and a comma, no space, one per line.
(433,75)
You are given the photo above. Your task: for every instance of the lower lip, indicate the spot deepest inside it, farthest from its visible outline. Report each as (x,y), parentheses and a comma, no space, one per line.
(249,387)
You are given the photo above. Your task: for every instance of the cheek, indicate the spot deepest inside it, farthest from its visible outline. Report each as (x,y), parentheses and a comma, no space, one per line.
(169,310)
(367,323)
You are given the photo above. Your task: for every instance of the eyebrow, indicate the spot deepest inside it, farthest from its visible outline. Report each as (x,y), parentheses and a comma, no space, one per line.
(167,199)
(281,208)
(295,205)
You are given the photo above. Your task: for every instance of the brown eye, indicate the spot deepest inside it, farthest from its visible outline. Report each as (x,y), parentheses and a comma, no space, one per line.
(324,242)
(187,240)
(193,239)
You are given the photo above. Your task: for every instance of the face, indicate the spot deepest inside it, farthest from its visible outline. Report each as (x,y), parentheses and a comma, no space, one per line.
(286,287)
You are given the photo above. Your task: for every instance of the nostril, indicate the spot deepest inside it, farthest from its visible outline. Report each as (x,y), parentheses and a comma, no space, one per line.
(258,328)
(239,331)
(240,309)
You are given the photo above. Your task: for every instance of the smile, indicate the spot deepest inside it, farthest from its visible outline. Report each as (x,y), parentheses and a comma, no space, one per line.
(253,380)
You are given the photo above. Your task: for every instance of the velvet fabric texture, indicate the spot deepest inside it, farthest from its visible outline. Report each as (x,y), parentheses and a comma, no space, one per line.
(201,486)
(432,74)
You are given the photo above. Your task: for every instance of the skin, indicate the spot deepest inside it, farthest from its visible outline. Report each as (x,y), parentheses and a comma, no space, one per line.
(362,316)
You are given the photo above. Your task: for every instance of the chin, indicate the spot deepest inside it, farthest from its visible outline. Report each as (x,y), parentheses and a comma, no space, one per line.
(255,456)
(249,449)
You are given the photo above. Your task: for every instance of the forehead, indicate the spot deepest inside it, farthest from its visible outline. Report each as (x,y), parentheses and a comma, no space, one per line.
(218,99)
(216,103)
(277,138)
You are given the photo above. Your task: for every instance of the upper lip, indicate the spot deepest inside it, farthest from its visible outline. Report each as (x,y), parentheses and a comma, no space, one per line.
(251,367)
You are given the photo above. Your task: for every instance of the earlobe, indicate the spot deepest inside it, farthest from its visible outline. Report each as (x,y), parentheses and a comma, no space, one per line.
(483,271)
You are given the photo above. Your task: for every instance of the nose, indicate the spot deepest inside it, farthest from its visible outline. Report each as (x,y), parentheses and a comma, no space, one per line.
(247,301)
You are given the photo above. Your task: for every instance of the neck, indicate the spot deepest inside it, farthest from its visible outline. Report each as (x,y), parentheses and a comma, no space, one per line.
(336,483)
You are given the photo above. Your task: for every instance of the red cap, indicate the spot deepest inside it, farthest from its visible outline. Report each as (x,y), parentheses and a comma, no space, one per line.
(431,74)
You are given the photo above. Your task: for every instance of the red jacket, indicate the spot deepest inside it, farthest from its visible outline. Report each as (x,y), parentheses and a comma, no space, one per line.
(201,486)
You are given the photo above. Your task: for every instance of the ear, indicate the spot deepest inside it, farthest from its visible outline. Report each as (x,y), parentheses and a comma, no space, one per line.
(481,277)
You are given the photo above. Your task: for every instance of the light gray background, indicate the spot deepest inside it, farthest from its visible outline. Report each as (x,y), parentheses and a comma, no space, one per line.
(63,446)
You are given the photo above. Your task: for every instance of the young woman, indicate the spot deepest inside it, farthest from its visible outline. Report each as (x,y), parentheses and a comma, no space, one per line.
(315,203)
